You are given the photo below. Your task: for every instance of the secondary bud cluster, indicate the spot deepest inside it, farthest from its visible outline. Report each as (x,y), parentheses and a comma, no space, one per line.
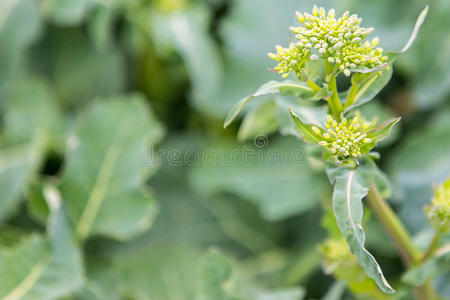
(439,210)
(340,42)
(344,139)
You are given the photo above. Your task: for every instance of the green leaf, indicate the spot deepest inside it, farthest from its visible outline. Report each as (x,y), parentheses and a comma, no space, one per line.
(379,134)
(305,130)
(271,87)
(260,121)
(215,270)
(103,180)
(433,267)
(17,164)
(40,267)
(369,85)
(67,12)
(274,176)
(190,32)
(350,186)
(19,26)
(420,19)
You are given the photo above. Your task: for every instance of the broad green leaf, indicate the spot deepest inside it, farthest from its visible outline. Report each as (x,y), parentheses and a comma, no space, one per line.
(260,121)
(17,164)
(419,162)
(42,267)
(215,270)
(103,180)
(32,114)
(19,26)
(191,38)
(297,89)
(350,186)
(67,12)
(369,85)
(74,65)
(433,267)
(274,176)
(305,130)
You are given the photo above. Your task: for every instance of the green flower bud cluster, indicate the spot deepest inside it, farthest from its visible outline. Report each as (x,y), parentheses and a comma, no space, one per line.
(439,210)
(290,59)
(340,42)
(346,138)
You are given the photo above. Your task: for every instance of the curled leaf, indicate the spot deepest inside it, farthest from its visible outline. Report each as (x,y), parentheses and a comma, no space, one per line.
(350,186)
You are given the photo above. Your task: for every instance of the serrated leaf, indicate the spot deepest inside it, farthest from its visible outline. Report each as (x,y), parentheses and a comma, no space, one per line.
(103,180)
(433,267)
(350,186)
(305,130)
(271,87)
(42,268)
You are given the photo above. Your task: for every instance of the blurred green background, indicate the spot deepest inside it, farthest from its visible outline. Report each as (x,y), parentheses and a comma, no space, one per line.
(92,90)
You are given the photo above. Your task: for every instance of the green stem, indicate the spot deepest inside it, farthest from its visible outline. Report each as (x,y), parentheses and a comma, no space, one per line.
(397,232)
(334,101)
(351,95)
(432,247)
(313,85)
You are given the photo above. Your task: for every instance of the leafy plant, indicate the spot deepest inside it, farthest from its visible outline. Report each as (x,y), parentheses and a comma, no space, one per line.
(346,139)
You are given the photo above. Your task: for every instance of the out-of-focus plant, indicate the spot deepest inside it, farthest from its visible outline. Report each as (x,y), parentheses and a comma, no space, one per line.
(346,139)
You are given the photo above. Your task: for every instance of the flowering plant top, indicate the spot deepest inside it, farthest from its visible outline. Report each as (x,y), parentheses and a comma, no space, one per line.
(342,42)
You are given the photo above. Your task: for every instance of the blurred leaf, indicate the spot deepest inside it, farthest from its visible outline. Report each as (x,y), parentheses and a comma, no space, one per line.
(32,113)
(275,178)
(79,71)
(262,120)
(37,205)
(350,186)
(66,12)
(249,34)
(17,164)
(42,268)
(436,265)
(383,183)
(189,30)
(102,182)
(19,26)
(215,270)
(421,161)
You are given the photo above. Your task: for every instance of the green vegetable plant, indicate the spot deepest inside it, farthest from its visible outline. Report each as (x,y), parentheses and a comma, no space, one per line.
(341,48)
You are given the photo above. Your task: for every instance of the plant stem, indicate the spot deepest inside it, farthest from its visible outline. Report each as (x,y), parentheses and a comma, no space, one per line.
(398,234)
(313,85)
(393,226)
(351,95)
(335,103)
(432,247)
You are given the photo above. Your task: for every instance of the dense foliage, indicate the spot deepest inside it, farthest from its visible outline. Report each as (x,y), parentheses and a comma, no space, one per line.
(117,180)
